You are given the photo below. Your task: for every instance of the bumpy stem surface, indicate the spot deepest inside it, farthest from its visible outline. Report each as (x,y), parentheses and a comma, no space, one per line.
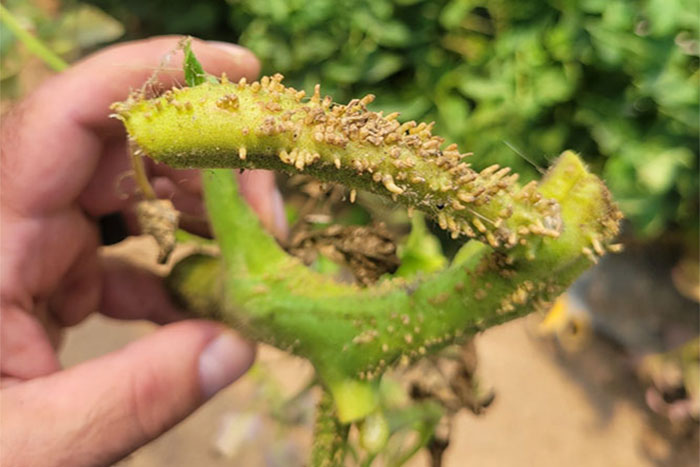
(533,241)
(268,125)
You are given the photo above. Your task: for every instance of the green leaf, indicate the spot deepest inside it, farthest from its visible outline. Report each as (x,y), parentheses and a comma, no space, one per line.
(383,66)
(454,112)
(194,73)
(659,172)
(393,34)
(552,85)
(88,26)
(421,252)
(663,16)
(455,12)
(483,88)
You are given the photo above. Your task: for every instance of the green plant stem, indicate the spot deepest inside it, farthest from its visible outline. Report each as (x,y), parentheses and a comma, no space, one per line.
(352,335)
(330,436)
(32,43)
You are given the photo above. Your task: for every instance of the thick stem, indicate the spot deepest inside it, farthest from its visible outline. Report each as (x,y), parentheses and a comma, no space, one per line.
(352,335)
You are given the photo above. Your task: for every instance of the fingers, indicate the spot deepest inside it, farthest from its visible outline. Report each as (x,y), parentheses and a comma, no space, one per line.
(112,187)
(183,188)
(117,70)
(259,190)
(48,270)
(187,179)
(77,293)
(58,133)
(28,338)
(130,292)
(25,348)
(147,298)
(193,216)
(99,411)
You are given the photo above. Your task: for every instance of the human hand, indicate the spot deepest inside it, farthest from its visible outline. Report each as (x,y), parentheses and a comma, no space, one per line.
(62,168)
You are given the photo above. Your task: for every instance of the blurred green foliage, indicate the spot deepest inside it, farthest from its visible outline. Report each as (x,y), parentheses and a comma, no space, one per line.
(70,32)
(616,80)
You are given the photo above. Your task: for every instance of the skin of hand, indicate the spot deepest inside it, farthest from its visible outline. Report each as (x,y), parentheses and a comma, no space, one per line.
(62,167)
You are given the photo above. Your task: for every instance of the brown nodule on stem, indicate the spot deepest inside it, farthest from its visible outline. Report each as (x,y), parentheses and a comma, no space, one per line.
(159,218)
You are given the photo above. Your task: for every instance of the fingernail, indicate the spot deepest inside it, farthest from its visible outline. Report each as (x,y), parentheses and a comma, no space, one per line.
(222,362)
(279,215)
(238,52)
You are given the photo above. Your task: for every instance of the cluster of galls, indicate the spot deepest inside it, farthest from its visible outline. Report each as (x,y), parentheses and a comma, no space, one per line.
(404,161)
(414,342)
(609,224)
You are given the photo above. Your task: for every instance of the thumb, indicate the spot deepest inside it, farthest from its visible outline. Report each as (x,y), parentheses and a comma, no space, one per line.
(98,412)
